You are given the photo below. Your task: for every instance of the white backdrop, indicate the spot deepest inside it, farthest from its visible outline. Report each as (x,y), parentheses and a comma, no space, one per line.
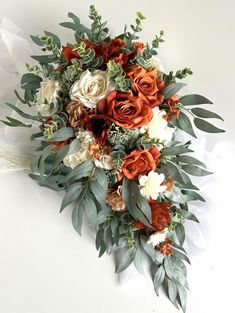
(45,267)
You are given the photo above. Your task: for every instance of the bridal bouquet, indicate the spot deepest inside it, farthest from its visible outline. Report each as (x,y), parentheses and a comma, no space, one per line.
(108,116)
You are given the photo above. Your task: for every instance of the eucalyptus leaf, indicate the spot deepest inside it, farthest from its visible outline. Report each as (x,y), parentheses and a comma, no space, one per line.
(62,134)
(194,99)
(186,124)
(172,292)
(195,170)
(175,150)
(191,195)
(180,233)
(127,259)
(182,297)
(190,160)
(71,195)
(77,217)
(206,126)
(205,113)
(172,89)
(91,211)
(158,279)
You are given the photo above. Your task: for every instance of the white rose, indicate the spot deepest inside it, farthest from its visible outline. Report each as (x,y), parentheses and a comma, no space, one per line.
(74,159)
(105,161)
(157,128)
(157,237)
(47,98)
(91,87)
(151,185)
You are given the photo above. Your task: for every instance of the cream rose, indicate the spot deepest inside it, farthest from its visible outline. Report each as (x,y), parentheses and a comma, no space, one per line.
(105,161)
(157,237)
(91,87)
(157,128)
(151,185)
(47,103)
(74,159)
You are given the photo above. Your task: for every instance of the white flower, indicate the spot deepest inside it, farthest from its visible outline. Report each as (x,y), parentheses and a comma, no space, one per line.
(157,128)
(155,62)
(47,97)
(105,161)
(151,185)
(91,87)
(157,237)
(74,159)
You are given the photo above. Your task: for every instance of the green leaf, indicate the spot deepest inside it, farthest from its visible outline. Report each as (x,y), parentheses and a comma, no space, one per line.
(139,259)
(72,193)
(182,297)
(205,113)
(69,25)
(144,207)
(82,170)
(91,211)
(194,100)
(14,123)
(158,279)
(176,270)
(131,194)
(172,292)
(114,226)
(195,170)
(77,217)
(190,195)
(172,89)
(74,146)
(37,40)
(206,126)
(176,150)
(99,192)
(56,39)
(30,81)
(190,160)
(189,215)
(127,259)
(45,59)
(180,233)
(62,134)
(174,172)
(186,124)
(181,255)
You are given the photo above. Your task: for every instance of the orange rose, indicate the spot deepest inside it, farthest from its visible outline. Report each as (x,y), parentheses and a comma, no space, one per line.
(145,82)
(138,162)
(160,215)
(125,109)
(114,52)
(172,107)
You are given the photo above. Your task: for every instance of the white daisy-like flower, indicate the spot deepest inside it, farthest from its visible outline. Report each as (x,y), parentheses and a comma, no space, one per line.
(74,159)
(151,185)
(157,237)
(157,128)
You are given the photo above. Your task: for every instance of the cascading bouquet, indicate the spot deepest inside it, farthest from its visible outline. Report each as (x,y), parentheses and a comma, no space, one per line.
(108,117)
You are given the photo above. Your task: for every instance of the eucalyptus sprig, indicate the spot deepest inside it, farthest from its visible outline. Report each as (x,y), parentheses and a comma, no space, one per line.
(116,73)
(98,28)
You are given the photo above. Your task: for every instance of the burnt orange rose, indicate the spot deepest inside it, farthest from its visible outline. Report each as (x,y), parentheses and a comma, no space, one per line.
(160,215)
(138,162)
(172,107)
(114,52)
(125,109)
(145,82)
